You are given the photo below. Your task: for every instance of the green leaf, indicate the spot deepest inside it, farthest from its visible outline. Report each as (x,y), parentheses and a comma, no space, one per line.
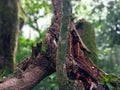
(110,87)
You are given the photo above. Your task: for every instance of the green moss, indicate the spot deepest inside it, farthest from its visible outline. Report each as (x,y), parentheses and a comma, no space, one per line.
(87,34)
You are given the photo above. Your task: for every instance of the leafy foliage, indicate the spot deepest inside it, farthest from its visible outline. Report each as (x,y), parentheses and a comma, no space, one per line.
(36,9)
(108,81)
(24,48)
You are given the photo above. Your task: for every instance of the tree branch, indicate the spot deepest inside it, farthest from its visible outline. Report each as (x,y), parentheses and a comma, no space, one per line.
(29,73)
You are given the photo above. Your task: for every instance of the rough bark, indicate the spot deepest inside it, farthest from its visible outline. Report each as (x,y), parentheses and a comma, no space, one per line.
(52,36)
(63,80)
(61,59)
(79,66)
(8,34)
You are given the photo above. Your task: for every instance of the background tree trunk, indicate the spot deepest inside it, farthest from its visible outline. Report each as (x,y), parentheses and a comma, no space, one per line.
(9,27)
(87,33)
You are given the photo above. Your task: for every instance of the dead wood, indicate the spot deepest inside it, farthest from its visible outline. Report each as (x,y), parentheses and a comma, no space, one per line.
(79,66)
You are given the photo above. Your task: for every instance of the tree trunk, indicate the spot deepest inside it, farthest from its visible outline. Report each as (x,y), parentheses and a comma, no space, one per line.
(8,34)
(64,82)
(61,61)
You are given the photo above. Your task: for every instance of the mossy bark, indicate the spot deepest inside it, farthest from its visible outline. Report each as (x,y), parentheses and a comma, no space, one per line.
(87,33)
(60,63)
(9,28)
(64,82)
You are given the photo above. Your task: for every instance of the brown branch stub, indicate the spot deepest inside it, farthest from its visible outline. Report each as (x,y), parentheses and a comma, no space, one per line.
(36,49)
